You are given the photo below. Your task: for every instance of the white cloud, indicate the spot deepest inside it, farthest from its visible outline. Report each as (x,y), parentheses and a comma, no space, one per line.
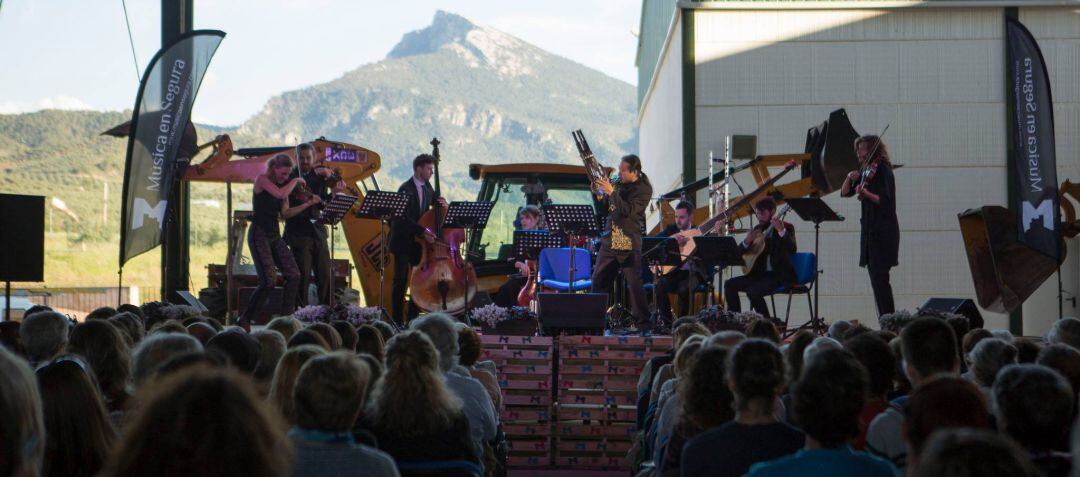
(55,102)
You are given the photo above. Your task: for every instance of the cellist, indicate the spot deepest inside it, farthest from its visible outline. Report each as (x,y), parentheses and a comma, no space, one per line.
(879,239)
(528,219)
(406,229)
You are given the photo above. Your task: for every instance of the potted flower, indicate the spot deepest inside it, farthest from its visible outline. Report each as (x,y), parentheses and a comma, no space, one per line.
(496,320)
(716,318)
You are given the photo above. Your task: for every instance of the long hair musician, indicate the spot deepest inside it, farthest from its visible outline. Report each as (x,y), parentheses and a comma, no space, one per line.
(306,238)
(879,239)
(620,246)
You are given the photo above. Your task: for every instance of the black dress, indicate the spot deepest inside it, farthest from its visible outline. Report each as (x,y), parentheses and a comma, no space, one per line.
(879,240)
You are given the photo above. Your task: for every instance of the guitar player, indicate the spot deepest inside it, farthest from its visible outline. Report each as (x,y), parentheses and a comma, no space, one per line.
(773,268)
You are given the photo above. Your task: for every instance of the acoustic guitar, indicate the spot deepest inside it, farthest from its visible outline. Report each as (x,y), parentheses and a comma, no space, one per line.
(757,244)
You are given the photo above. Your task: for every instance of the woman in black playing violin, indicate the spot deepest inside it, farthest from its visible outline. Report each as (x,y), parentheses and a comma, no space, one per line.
(879,241)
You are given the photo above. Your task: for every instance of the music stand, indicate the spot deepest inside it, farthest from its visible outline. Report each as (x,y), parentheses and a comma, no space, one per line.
(469,216)
(660,251)
(574,220)
(335,209)
(529,243)
(382,206)
(813,209)
(716,251)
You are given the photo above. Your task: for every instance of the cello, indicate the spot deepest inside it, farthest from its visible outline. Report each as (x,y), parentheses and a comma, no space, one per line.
(442,280)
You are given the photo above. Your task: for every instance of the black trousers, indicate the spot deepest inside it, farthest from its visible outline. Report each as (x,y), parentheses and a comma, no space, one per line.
(608,265)
(879,281)
(677,281)
(757,286)
(402,267)
(311,252)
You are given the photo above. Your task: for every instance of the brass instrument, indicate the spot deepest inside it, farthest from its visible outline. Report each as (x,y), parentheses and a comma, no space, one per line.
(593,169)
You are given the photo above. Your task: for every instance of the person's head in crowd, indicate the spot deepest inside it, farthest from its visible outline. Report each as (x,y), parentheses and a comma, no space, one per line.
(347,332)
(377,369)
(214,323)
(239,347)
(202,332)
(686,330)
(703,396)
(155,350)
(729,338)
(1027,351)
(929,348)
(469,345)
(855,330)
(414,397)
(78,434)
(960,325)
(168,326)
(193,359)
(44,335)
(1065,331)
(940,403)
(682,320)
(828,398)
(972,453)
(271,347)
(9,337)
(1034,405)
(333,339)
(440,329)
(129,308)
(1002,334)
(288,368)
(130,325)
(385,329)
(202,421)
(819,344)
(36,308)
(1065,360)
(22,435)
(902,385)
(988,357)
(972,338)
(370,340)
(876,357)
(684,357)
(885,335)
(102,313)
(286,325)
(330,392)
(308,337)
(764,329)
(755,374)
(153,312)
(104,348)
(793,355)
(838,329)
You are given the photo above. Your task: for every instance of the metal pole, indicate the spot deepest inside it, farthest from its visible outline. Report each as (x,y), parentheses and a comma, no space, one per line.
(176,19)
(7,301)
(229,262)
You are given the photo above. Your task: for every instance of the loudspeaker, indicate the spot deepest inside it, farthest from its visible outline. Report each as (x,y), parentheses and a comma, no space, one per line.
(191,301)
(580,313)
(22,238)
(831,145)
(959,306)
(743,146)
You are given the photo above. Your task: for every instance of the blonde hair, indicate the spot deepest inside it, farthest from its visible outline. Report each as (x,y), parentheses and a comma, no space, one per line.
(684,357)
(686,330)
(22,436)
(873,140)
(286,325)
(279,160)
(288,368)
(413,398)
(330,391)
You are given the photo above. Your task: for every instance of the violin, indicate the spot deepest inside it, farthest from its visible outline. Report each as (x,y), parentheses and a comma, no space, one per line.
(869,169)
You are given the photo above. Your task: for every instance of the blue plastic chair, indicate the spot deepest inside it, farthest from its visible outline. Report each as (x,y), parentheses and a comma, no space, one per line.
(805,264)
(555,269)
(440,467)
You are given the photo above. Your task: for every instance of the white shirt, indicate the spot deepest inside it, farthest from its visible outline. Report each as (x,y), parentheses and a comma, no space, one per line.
(419,193)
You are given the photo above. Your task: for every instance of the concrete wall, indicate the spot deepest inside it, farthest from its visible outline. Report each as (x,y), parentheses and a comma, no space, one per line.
(660,140)
(936,75)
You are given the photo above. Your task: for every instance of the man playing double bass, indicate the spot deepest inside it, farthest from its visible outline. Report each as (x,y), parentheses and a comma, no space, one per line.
(406,229)
(620,246)
(772,269)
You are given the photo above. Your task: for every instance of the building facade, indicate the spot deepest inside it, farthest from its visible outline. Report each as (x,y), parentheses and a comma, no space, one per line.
(932,70)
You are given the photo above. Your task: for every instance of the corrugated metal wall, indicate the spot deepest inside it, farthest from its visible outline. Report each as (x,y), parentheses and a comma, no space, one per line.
(655,19)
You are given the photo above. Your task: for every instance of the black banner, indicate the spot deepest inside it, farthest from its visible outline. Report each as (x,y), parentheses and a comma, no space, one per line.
(1032,126)
(161,115)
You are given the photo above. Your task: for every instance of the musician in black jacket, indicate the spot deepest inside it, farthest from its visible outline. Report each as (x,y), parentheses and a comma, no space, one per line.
(406,229)
(620,246)
(879,239)
(772,269)
(677,280)
(307,239)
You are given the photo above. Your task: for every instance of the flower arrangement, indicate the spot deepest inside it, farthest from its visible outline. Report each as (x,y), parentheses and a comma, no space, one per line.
(180,312)
(716,318)
(895,322)
(489,315)
(314,314)
(354,314)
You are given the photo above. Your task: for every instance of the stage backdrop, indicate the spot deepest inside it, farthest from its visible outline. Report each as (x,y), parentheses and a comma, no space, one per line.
(158,125)
(1032,128)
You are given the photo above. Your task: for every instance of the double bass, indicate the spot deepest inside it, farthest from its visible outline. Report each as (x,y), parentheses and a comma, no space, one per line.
(442,280)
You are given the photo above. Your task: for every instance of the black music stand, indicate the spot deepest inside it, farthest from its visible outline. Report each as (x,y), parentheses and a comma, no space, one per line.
(383,206)
(529,243)
(469,216)
(336,209)
(661,251)
(813,209)
(574,220)
(716,251)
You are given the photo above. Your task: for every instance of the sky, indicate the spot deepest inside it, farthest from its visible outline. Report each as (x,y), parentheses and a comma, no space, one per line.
(75,54)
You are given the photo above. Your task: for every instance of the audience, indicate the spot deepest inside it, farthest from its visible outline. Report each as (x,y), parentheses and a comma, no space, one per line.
(1035,406)
(308,337)
(827,400)
(670,405)
(1065,331)
(202,421)
(877,359)
(22,447)
(755,374)
(328,333)
(155,350)
(9,337)
(78,435)
(130,325)
(973,453)
(987,358)
(1027,351)
(941,403)
(1065,360)
(347,333)
(329,395)
(471,347)
(271,347)
(103,346)
(415,417)
(370,340)
(385,329)
(286,325)
(202,331)
(288,368)
(44,335)
(763,329)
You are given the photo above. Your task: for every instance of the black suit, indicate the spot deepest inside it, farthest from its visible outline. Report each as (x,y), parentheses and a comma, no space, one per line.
(307,240)
(772,270)
(620,247)
(403,234)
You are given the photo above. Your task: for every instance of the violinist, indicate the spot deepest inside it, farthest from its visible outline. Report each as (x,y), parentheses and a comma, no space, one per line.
(528,219)
(306,238)
(879,239)
(271,202)
(406,229)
